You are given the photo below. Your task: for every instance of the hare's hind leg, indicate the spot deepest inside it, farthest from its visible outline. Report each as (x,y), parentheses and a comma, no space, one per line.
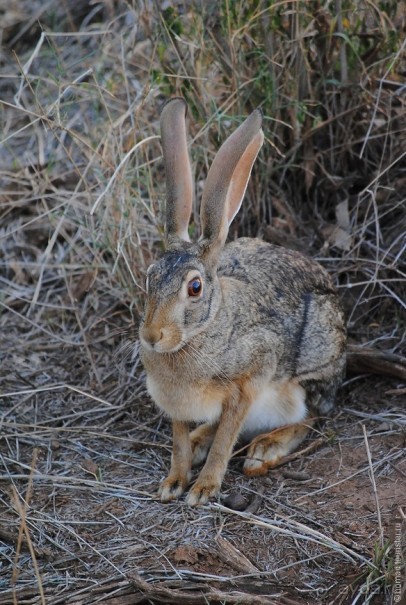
(201,440)
(267,450)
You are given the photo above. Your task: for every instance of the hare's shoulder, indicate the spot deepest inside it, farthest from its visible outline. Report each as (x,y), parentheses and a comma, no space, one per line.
(251,260)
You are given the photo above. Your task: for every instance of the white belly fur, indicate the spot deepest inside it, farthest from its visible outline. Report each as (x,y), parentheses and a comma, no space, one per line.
(275,406)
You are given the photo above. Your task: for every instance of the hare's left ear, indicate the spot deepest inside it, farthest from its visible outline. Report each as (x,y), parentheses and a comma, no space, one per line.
(227,181)
(179,183)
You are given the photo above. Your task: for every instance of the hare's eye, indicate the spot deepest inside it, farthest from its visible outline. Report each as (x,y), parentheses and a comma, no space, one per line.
(194,287)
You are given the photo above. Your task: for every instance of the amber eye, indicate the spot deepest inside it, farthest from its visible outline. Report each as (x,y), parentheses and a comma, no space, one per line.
(194,287)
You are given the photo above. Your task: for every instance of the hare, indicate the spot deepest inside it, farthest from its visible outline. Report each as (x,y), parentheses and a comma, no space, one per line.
(243,338)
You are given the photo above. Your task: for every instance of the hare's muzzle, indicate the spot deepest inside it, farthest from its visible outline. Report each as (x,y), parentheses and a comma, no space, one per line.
(161,340)
(150,336)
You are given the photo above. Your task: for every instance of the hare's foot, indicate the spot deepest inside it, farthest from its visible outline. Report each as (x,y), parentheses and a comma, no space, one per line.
(203,491)
(201,440)
(266,451)
(173,487)
(208,483)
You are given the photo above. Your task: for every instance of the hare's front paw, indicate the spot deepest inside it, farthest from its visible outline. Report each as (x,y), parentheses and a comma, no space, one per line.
(172,487)
(202,492)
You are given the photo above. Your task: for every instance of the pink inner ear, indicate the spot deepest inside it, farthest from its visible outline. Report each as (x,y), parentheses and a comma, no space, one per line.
(227,180)
(241,175)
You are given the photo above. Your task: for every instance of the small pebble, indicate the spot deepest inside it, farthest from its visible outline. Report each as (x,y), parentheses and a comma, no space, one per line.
(382,427)
(236,501)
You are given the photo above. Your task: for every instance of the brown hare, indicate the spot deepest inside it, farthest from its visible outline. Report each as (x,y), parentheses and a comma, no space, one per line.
(242,337)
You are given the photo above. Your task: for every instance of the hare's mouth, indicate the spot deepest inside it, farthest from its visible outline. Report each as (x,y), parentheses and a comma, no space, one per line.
(162,347)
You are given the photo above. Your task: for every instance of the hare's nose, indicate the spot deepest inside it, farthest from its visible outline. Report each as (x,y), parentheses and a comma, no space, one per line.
(151,335)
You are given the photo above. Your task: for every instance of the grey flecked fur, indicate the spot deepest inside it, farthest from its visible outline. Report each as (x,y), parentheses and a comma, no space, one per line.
(281,311)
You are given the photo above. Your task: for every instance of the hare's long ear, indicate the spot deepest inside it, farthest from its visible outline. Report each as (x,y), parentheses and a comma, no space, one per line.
(179,183)
(227,181)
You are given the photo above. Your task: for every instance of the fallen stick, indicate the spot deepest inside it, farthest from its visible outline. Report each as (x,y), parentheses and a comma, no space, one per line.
(361,360)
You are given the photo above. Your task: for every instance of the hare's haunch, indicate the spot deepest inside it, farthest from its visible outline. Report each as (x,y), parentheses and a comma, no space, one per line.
(244,337)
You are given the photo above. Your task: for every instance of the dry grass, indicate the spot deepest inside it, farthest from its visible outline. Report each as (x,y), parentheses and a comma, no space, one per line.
(82,447)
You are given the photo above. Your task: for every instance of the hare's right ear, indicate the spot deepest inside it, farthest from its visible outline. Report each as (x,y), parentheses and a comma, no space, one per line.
(226,183)
(179,183)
